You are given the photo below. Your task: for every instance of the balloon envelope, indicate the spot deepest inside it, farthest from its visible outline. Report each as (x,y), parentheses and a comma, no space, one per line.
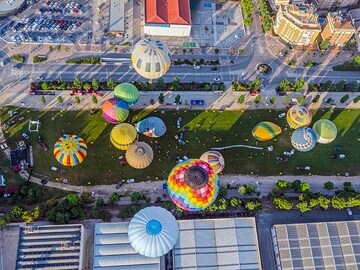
(151,58)
(265,131)
(298,116)
(70,150)
(193,185)
(123,135)
(215,159)
(153,231)
(325,130)
(151,127)
(115,110)
(303,139)
(139,155)
(127,92)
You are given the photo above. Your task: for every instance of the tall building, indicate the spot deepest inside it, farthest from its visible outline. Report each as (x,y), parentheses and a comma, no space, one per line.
(327,4)
(297,25)
(337,29)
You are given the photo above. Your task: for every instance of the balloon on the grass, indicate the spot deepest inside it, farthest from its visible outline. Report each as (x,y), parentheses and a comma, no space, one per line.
(298,116)
(303,139)
(215,159)
(325,130)
(265,131)
(123,135)
(139,155)
(115,110)
(153,231)
(151,127)
(70,150)
(127,92)
(193,185)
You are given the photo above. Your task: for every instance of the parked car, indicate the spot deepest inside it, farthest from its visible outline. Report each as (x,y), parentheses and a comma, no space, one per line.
(214,68)
(119,184)
(349,211)
(25,136)
(217,79)
(333,156)
(337,148)
(196,67)
(130,181)
(282,115)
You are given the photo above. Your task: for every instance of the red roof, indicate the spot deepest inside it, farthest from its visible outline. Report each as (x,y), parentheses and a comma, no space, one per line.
(167,12)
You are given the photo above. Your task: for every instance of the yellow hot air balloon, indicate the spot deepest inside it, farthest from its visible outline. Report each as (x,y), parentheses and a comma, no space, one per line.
(298,116)
(139,155)
(151,58)
(123,135)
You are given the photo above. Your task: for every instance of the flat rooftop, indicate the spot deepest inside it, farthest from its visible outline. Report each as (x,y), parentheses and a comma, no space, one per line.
(7,6)
(117,16)
(302,15)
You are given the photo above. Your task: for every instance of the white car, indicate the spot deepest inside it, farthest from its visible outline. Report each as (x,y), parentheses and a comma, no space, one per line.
(349,211)
(196,67)
(25,136)
(217,79)
(282,115)
(130,181)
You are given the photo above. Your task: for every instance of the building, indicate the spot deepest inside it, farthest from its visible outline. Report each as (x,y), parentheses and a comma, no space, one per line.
(112,249)
(297,25)
(50,247)
(355,18)
(211,244)
(328,4)
(354,14)
(337,30)
(326,245)
(117,17)
(9,7)
(167,18)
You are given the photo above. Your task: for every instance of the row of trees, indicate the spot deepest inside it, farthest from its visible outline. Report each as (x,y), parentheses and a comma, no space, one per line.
(266,22)
(286,86)
(195,62)
(330,86)
(247,8)
(85,60)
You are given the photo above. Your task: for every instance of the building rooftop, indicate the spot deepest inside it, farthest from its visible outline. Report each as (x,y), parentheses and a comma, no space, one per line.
(340,22)
(10,5)
(230,243)
(112,249)
(355,14)
(302,15)
(117,16)
(167,12)
(326,245)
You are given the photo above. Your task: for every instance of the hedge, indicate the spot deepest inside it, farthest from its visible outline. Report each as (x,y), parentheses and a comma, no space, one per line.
(86,61)
(18,58)
(39,59)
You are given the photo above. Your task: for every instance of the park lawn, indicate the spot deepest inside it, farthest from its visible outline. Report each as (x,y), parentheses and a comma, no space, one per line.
(203,130)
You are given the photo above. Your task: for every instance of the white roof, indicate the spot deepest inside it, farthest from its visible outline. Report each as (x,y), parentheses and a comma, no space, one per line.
(117,16)
(7,6)
(112,249)
(214,244)
(325,245)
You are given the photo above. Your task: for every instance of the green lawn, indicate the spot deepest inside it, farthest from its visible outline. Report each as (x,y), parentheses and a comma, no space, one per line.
(203,130)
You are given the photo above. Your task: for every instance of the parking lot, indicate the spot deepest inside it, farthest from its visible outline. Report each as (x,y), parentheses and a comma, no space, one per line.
(50,21)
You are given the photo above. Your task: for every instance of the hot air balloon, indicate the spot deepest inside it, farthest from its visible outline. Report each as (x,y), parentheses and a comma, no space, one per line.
(139,155)
(151,58)
(70,150)
(265,131)
(303,139)
(127,92)
(215,159)
(325,130)
(115,110)
(123,135)
(151,127)
(153,231)
(298,116)
(193,185)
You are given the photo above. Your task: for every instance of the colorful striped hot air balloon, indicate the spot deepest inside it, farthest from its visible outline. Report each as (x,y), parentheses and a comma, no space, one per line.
(215,159)
(303,139)
(115,110)
(298,116)
(265,131)
(127,92)
(123,135)
(70,150)
(193,185)
(325,130)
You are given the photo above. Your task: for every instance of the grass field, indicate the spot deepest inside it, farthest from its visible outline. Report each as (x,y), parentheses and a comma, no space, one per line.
(203,130)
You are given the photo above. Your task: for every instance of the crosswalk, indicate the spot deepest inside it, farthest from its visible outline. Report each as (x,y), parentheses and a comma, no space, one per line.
(240,72)
(292,74)
(16,72)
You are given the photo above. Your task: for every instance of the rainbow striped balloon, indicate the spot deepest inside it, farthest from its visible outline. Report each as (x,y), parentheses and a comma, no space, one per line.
(215,159)
(115,110)
(193,185)
(70,150)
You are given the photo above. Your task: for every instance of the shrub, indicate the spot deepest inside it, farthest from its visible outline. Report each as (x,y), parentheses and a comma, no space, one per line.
(42,99)
(100,202)
(344,99)
(94,99)
(257,99)
(18,58)
(253,205)
(135,197)
(282,203)
(59,99)
(77,100)
(241,99)
(301,100)
(329,185)
(114,197)
(85,60)
(356,99)
(292,62)
(39,59)
(273,99)
(315,99)
(86,197)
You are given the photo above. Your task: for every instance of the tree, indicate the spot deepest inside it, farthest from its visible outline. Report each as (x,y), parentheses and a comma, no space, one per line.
(77,100)
(144,86)
(303,206)
(114,197)
(281,184)
(327,86)
(273,99)
(298,85)
(184,51)
(110,84)
(44,86)
(160,84)
(235,202)
(222,191)
(105,215)
(217,51)
(135,197)
(176,83)
(348,187)
(257,99)
(340,85)
(95,84)
(16,212)
(161,98)
(285,85)
(296,185)
(86,197)
(292,62)
(282,203)
(59,99)
(241,99)
(329,185)
(256,84)
(323,45)
(177,99)
(356,62)
(42,99)
(72,198)
(100,202)
(353,86)
(94,99)
(87,86)
(77,83)
(246,189)
(253,205)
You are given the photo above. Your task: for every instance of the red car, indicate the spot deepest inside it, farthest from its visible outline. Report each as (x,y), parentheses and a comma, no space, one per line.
(91,92)
(254,93)
(77,92)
